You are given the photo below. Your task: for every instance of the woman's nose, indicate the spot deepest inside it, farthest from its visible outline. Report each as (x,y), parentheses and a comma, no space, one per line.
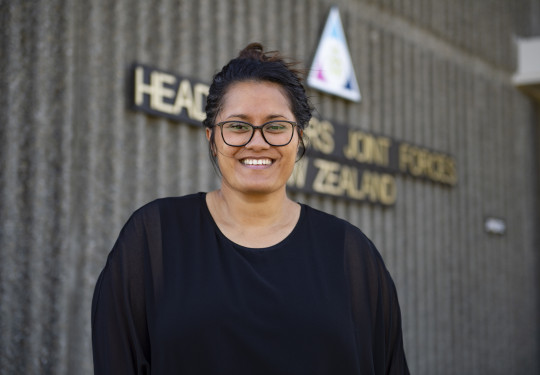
(257,141)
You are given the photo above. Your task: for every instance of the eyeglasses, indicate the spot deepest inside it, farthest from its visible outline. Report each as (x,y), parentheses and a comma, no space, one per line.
(239,133)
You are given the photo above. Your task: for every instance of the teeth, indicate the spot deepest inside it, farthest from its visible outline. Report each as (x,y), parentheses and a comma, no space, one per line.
(257,161)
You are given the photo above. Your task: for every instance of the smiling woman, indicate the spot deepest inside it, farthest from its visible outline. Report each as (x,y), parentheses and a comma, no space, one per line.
(255,166)
(243,280)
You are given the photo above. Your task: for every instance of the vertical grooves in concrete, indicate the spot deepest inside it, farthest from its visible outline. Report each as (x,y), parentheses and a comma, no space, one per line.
(76,160)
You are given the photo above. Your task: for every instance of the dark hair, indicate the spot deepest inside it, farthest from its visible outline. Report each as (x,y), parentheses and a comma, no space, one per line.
(255,64)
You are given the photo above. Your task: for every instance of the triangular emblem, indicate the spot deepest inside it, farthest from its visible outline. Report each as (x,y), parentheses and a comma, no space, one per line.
(332,69)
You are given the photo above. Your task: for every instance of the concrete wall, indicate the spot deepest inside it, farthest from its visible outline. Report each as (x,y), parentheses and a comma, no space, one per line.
(75,160)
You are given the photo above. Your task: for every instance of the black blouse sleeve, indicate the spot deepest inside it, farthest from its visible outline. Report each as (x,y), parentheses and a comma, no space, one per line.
(375,307)
(119,326)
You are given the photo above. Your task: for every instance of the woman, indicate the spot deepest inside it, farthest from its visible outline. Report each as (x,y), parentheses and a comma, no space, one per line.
(243,280)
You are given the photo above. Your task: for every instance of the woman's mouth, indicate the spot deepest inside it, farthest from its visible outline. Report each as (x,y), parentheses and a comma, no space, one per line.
(257,162)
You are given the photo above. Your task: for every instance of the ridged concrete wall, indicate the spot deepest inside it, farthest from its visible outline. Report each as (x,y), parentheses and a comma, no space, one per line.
(75,160)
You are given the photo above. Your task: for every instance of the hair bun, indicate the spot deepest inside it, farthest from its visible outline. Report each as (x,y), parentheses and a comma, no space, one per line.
(255,51)
(252,51)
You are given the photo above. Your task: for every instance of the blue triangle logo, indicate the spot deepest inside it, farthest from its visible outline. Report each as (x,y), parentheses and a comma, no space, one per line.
(332,70)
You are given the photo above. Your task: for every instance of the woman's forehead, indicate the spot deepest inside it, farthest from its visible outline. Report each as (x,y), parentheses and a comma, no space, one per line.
(255,97)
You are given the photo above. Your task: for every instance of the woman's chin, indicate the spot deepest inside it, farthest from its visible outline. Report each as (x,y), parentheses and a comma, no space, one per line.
(256,188)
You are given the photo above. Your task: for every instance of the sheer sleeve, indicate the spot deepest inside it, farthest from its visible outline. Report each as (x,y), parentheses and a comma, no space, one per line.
(375,307)
(120,340)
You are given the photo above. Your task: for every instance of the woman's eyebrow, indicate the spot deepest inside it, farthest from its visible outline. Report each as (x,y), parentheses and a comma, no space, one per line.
(246,117)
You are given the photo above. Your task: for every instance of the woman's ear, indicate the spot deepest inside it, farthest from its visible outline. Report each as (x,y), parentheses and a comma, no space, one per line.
(209,133)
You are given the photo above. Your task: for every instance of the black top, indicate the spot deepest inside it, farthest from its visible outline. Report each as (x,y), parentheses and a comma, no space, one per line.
(177,297)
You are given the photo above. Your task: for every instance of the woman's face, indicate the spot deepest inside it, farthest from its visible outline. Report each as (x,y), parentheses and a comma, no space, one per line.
(256,168)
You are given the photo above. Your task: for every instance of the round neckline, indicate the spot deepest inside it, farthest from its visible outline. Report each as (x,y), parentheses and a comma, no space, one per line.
(252,249)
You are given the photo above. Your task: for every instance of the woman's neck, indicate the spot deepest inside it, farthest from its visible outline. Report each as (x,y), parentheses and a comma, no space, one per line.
(252,210)
(253,220)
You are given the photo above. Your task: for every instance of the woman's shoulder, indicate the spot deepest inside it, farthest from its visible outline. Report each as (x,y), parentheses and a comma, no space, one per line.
(147,223)
(153,216)
(354,239)
(326,220)
(167,204)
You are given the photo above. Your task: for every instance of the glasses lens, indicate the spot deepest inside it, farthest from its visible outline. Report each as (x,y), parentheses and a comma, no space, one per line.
(238,133)
(278,133)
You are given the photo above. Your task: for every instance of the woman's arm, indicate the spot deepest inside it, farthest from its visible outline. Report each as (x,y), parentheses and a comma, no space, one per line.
(375,307)
(119,329)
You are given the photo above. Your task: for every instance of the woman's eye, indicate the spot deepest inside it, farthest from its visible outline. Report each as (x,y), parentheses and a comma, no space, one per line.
(275,127)
(238,127)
